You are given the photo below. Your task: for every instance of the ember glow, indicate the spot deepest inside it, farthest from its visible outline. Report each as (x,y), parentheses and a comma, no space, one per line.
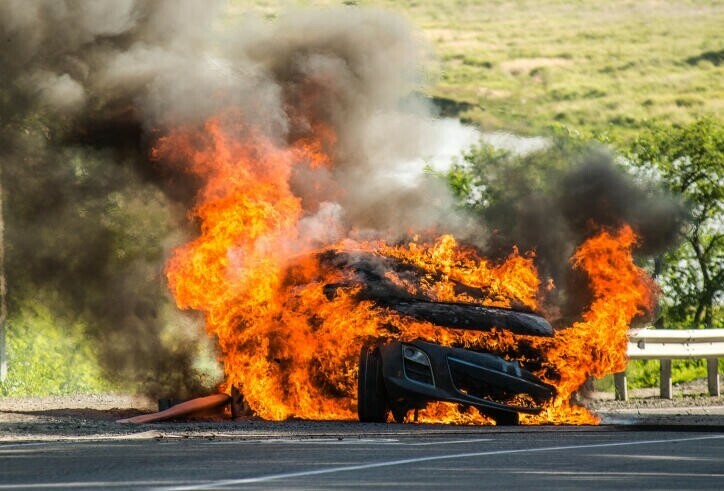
(292,348)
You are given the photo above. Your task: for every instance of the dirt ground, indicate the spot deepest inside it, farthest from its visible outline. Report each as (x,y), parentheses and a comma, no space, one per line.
(95,416)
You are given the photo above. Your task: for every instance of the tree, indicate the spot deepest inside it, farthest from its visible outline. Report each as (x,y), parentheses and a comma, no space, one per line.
(689,161)
(524,200)
(3,303)
(551,200)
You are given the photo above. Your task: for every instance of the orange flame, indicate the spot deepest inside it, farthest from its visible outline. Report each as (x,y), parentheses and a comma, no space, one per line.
(293,352)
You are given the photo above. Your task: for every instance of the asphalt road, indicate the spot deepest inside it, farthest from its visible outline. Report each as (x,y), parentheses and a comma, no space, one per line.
(411,457)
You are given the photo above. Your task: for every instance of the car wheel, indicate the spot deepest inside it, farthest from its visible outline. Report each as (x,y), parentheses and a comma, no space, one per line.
(505,418)
(399,414)
(371,396)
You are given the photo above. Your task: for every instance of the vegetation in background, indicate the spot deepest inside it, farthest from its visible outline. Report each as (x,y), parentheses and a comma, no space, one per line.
(50,356)
(486,177)
(88,306)
(689,161)
(604,67)
(598,66)
(645,373)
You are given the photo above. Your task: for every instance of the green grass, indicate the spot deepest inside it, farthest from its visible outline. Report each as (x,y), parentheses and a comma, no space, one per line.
(49,356)
(645,373)
(600,67)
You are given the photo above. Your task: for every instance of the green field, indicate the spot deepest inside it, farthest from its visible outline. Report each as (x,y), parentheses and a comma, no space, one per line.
(597,67)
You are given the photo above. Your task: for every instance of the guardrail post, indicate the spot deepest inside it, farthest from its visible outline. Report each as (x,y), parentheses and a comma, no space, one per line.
(619,382)
(712,372)
(665,379)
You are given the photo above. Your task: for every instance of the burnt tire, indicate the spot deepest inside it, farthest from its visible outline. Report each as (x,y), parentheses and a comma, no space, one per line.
(504,418)
(399,414)
(371,396)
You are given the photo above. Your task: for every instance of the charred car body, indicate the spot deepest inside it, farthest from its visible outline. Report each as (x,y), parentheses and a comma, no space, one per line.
(399,376)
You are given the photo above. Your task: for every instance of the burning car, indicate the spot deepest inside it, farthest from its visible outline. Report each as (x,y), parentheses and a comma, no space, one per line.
(400,376)
(290,307)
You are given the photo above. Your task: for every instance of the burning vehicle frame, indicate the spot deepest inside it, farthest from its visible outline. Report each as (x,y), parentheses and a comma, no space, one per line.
(400,376)
(397,375)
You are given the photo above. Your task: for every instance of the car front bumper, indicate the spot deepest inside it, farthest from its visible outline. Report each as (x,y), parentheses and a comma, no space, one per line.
(419,372)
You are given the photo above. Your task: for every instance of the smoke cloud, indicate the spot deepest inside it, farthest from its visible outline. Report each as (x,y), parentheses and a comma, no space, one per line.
(86,88)
(552,200)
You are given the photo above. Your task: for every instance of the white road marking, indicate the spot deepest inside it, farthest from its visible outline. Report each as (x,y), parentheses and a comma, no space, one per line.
(143,435)
(347,441)
(451,442)
(616,473)
(374,465)
(15,445)
(658,457)
(311,441)
(86,484)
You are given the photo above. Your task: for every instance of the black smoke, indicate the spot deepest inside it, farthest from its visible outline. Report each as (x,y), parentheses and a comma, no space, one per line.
(86,88)
(552,200)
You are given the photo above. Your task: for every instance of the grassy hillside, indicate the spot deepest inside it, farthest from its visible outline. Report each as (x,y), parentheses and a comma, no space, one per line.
(591,65)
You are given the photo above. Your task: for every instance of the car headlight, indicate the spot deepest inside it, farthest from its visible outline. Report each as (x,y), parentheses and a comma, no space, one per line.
(413,354)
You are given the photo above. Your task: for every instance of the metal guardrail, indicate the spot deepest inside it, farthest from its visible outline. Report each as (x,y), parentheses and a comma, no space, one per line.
(669,344)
